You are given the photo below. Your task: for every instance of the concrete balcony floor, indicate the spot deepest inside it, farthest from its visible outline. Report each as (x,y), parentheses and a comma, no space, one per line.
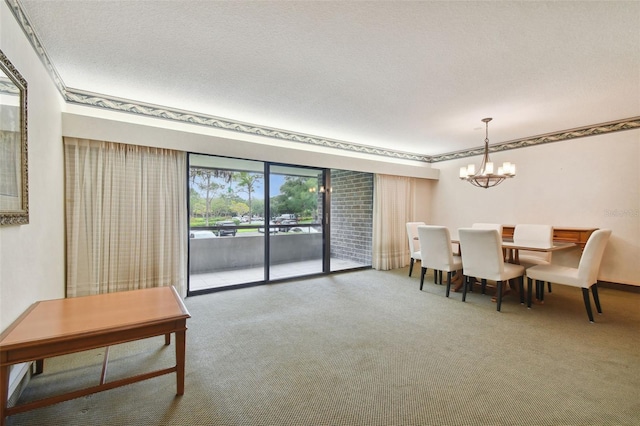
(210,280)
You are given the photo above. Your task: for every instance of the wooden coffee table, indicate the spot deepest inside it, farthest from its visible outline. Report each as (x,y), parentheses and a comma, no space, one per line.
(57,327)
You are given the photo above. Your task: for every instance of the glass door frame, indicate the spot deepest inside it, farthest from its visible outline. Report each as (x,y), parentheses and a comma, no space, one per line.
(324,221)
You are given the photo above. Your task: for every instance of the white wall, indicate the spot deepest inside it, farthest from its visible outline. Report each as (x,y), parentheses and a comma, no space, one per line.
(586,182)
(98,124)
(32,259)
(423,204)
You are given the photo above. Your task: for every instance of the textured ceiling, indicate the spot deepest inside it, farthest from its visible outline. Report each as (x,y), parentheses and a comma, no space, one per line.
(409,76)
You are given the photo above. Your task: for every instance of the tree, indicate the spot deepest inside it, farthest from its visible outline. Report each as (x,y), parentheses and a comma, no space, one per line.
(204,180)
(295,197)
(239,208)
(197,205)
(257,208)
(208,182)
(247,182)
(218,207)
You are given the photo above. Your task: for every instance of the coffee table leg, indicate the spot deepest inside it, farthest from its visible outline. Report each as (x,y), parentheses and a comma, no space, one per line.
(180,360)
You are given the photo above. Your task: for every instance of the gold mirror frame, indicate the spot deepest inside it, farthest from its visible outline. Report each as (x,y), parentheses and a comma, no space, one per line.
(14,188)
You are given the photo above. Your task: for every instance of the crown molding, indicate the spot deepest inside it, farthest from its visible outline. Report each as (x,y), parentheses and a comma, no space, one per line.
(86,98)
(30,32)
(563,135)
(81,97)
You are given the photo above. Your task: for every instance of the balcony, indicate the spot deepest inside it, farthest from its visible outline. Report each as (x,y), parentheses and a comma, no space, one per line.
(224,261)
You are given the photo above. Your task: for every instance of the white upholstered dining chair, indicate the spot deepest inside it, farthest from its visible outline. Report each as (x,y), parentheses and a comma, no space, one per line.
(496,226)
(482,258)
(584,276)
(534,235)
(435,249)
(414,244)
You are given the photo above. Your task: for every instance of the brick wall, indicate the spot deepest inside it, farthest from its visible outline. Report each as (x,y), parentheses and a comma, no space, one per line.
(352,216)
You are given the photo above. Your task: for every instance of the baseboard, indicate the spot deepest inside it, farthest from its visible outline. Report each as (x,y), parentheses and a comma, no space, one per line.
(618,286)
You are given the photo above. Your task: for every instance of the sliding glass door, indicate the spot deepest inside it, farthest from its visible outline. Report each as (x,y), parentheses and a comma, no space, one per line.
(226,222)
(295,207)
(252,222)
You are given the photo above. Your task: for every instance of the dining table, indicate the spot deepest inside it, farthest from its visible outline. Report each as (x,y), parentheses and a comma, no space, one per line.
(512,250)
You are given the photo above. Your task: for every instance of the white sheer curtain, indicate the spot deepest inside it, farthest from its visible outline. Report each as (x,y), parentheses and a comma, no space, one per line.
(393,207)
(126,219)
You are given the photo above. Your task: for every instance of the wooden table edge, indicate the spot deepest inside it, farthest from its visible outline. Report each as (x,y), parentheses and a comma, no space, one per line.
(157,327)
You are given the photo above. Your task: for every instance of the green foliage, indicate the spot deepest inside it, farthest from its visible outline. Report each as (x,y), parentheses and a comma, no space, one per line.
(239,208)
(257,208)
(295,197)
(247,183)
(214,195)
(207,183)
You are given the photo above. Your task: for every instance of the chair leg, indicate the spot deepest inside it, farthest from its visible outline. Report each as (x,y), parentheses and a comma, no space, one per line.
(411,266)
(499,298)
(521,289)
(540,290)
(469,282)
(440,277)
(466,281)
(587,303)
(448,283)
(596,298)
(549,286)
(529,287)
(484,286)
(423,271)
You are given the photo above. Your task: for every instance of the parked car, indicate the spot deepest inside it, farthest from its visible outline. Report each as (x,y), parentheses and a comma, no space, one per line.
(202,234)
(285,220)
(304,230)
(272,229)
(285,217)
(222,232)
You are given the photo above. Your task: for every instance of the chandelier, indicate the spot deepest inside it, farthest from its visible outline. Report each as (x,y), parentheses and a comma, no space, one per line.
(485,177)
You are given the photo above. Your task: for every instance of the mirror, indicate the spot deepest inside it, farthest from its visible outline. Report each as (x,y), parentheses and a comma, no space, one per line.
(14,199)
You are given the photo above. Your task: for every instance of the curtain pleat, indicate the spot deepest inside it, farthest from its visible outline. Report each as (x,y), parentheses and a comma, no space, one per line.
(126,218)
(393,206)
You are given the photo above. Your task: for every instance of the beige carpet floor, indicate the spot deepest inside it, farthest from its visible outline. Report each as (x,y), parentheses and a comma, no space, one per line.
(369,348)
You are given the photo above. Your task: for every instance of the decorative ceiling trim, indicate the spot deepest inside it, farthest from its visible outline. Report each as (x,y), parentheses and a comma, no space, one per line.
(30,32)
(578,132)
(124,105)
